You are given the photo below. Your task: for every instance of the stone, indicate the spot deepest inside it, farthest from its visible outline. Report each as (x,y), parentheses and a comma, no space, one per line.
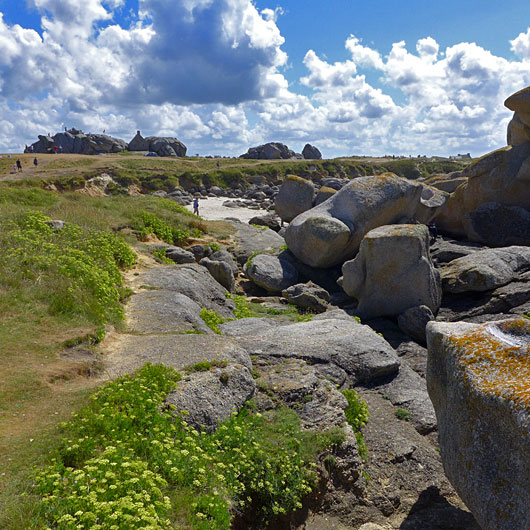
(211,397)
(166,146)
(269,151)
(225,256)
(432,202)
(324,193)
(200,251)
(247,326)
(308,296)
(295,196)
(485,270)
(477,378)
(355,348)
(498,225)
(520,104)
(408,390)
(518,132)
(393,272)
(446,182)
(501,176)
(162,311)
(271,273)
(331,232)
(179,255)
(56,224)
(221,271)
(445,250)
(77,142)
(414,320)
(250,239)
(138,143)
(193,281)
(269,220)
(310,152)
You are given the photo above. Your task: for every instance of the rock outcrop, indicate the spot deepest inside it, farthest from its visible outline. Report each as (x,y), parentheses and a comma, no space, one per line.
(308,296)
(331,232)
(77,142)
(166,146)
(270,151)
(310,152)
(393,272)
(477,377)
(295,196)
(271,273)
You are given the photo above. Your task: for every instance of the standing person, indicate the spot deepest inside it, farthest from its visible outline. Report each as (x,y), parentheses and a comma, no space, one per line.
(61,149)
(433,231)
(218,164)
(14,168)
(196,206)
(55,149)
(35,162)
(19,165)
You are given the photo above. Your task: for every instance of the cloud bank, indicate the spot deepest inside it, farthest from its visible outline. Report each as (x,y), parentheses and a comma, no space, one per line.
(213,73)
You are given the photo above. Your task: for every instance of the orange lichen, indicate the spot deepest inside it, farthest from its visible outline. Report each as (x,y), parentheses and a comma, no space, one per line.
(494,366)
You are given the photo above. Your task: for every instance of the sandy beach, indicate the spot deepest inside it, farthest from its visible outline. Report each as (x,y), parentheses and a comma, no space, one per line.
(212,209)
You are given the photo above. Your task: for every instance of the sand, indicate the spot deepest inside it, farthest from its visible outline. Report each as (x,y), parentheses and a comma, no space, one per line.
(212,209)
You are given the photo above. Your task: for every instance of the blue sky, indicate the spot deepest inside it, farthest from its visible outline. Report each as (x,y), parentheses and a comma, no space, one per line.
(223,75)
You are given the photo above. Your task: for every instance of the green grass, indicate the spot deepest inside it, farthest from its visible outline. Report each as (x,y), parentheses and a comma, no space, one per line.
(402,414)
(357,414)
(127,460)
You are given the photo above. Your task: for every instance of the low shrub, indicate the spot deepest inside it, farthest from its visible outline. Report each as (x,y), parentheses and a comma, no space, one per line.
(212,319)
(357,415)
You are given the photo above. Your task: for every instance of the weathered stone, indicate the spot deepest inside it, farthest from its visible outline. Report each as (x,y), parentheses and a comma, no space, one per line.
(498,225)
(447,182)
(331,232)
(355,348)
(138,143)
(408,390)
(445,250)
(477,379)
(295,196)
(166,146)
(485,270)
(250,239)
(223,255)
(311,152)
(432,202)
(324,193)
(210,397)
(393,272)
(200,251)
(270,151)
(162,311)
(221,271)
(271,273)
(414,320)
(179,255)
(269,220)
(518,132)
(501,176)
(520,103)
(307,296)
(77,142)
(247,326)
(193,281)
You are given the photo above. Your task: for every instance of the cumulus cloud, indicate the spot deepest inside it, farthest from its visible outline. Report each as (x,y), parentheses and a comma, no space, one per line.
(521,45)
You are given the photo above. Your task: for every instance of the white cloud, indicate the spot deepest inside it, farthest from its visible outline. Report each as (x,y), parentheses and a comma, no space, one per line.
(521,45)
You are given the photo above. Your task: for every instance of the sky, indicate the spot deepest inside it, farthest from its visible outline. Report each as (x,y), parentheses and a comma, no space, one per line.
(352,77)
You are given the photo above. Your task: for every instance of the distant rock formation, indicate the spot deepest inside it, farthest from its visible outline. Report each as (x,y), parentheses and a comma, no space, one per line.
(270,151)
(75,141)
(310,152)
(166,146)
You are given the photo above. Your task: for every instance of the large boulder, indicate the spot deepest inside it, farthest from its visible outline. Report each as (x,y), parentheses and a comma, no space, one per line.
(270,151)
(166,146)
(295,196)
(501,176)
(308,296)
(498,225)
(324,193)
(393,272)
(485,270)
(221,271)
(271,273)
(138,143)
(331,232)
(520,104)
(311,152)
(517,132)
(342,343)
(477,378)
(77,142)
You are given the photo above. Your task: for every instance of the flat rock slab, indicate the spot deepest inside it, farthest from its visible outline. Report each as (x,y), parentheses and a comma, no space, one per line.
(160,311)
(355,348)
(248,326)
(250,239)
(193,281)
(130,352)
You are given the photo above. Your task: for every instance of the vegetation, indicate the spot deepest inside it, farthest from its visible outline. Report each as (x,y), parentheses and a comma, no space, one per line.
(357,415)
(212,319)
(127,460)
(402,414)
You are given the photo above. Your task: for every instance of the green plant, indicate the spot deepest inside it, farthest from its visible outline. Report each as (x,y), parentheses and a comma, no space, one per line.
(160,256)
(214,246)
(306,317)
(402,414)
(204,366)
(357,415)
(212,319)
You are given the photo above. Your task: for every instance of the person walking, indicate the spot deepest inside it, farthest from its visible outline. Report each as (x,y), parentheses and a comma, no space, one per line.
(19,166)
(35,162)
(196,206)
(55,149)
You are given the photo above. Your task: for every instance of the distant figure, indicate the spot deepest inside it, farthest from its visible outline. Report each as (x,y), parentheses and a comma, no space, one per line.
(218,164)
(55,149)
(196,206)
(19,165)
(60,149)
(103,131)
(35,162)
(433,231)
(15,168)
(31,149)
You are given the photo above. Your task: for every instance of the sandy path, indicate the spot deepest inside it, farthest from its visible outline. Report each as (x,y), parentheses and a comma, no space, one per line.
(212,209)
